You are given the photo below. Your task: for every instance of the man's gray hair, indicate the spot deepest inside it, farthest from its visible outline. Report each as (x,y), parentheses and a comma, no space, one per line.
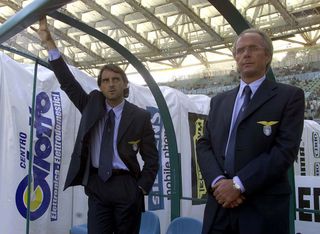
(266,39)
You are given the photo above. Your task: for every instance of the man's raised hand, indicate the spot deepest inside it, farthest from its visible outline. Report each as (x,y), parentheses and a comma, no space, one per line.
(44,34)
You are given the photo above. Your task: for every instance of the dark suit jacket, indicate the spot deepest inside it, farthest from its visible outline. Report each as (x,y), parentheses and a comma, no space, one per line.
(261,161)
(135,125)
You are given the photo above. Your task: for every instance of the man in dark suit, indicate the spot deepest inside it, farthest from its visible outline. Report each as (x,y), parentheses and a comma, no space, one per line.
(251,138)
(111,133)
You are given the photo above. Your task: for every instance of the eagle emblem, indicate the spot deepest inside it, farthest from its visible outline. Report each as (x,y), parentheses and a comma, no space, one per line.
(267,130)
(134,144)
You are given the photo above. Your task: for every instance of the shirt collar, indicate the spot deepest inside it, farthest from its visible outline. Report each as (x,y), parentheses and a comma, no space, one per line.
(117,109)
(253,85)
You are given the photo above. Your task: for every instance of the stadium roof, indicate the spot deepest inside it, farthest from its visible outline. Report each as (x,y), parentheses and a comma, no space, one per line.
(166,34)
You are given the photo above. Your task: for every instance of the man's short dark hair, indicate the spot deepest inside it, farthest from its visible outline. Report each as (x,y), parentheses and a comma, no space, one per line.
(116,69)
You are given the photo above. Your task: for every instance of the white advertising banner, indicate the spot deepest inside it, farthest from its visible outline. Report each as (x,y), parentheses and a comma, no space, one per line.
(308,163)
(56,122)
(307,181)
(54,129)
(307,198)
(16,101)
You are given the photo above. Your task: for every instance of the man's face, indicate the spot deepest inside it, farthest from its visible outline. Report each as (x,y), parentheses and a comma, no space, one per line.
(112,86)
(251,57)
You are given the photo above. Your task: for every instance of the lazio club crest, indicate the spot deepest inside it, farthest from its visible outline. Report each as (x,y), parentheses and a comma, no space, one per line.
(134,144)
(267,130)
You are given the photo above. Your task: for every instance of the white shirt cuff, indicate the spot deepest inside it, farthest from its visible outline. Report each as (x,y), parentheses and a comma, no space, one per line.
(54,54)
(216,180)
(238,181)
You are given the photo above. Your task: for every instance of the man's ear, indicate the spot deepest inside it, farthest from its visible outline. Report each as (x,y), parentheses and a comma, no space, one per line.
(126,91)
(269,59)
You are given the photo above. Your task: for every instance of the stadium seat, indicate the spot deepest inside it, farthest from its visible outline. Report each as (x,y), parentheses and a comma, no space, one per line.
(150,224)
(79,229)
(185,225)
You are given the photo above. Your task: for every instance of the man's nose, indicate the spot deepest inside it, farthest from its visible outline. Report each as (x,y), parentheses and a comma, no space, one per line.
(247,52)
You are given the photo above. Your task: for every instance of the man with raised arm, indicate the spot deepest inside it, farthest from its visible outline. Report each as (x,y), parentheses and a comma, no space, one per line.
(111,133)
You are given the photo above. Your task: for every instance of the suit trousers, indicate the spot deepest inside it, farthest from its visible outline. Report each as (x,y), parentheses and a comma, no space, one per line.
(114,206)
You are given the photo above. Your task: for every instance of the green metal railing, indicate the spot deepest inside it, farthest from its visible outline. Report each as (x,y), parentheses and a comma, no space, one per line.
(30,174)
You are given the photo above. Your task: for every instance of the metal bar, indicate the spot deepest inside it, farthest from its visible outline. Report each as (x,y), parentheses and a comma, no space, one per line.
(30,176)
(26,55)
(235,19)
(308,211)
(292,208)
(27,16)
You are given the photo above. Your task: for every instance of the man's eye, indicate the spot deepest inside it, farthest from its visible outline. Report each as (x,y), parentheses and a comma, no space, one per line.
(250,49)
(240,50)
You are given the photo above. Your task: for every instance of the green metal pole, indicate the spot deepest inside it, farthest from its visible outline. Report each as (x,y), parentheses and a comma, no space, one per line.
(30,176)
(27,16)
(292,215)
(26,55)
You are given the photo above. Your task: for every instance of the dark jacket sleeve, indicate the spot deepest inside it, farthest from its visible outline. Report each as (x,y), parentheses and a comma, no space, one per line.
(207,160)
(149,155)
(69,84)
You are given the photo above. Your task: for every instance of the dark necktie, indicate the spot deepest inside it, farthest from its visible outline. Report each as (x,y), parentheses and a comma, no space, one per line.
(230,154)
(106,150)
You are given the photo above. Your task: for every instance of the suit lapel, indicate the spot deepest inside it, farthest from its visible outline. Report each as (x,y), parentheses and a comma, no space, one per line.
(126,119)
(227,105)
(101,107)
(266,91)
(98,106)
